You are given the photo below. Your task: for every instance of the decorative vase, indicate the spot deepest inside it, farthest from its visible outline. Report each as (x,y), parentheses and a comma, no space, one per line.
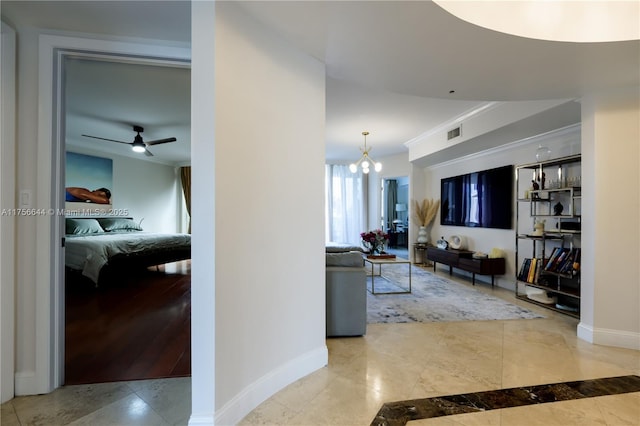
(423,238)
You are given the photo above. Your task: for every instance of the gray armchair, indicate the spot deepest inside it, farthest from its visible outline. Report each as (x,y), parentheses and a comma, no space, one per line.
(346,294)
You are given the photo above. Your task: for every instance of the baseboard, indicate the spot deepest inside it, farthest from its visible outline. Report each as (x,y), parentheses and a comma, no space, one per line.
(609,337)
(263,388)
(25,383)
(201,421)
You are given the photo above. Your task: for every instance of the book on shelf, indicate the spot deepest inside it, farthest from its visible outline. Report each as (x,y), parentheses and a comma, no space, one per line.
(557,257)
(576,262)
(563,261)
(560,260)
(536,273)
(530,270)
(554,254)
(521,271)
(567,264)
(524,269)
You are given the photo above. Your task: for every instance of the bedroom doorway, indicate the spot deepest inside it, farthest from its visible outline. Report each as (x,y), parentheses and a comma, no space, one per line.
(135,324)
(394,211)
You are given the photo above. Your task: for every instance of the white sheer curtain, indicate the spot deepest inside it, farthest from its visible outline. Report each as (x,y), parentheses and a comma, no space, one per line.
(344,211)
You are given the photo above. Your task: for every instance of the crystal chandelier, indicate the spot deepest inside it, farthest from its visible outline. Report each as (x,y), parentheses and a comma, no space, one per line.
(365,161)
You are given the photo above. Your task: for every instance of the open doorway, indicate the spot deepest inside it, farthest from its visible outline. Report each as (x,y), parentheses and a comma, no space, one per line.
(395,213)
(128,320)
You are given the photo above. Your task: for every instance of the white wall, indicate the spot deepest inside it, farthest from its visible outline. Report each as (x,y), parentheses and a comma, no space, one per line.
(26,243)
(148,191)
(203,206)
(269,186)
(610,267)
(562,143)
(144,190)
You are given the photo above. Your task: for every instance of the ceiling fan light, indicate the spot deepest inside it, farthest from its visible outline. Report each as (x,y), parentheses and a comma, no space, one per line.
(138,148)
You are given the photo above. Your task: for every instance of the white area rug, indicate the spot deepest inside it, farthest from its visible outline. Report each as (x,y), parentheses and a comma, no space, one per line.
(433,299)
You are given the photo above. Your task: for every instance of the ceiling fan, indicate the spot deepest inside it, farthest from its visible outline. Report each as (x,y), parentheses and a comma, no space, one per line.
(138,145)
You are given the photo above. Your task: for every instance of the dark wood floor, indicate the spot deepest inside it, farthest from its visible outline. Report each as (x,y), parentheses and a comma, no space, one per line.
(136,326)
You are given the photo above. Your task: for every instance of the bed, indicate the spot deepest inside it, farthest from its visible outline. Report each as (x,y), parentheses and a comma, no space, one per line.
(95,244)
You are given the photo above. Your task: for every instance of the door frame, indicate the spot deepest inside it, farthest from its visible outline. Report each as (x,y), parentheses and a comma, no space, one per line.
(7,200)
(49,255)
(383,196)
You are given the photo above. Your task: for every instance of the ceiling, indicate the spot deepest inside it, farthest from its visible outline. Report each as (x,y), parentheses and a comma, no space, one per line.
(106,99)
(396,69)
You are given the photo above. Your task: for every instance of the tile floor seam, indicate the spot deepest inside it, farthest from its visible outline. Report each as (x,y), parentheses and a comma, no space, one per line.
(152,409)
(15,412)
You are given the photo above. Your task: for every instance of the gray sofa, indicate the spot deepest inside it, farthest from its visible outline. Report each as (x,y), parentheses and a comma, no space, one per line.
(346,294)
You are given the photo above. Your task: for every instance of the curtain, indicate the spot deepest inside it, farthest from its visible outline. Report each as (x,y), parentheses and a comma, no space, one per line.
(390,206)
(344,205)
(185,178)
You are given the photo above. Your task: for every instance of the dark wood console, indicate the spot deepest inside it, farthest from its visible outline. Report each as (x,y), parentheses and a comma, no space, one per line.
(463,259)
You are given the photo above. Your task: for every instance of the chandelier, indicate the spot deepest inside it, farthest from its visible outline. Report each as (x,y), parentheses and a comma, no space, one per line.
(365,161)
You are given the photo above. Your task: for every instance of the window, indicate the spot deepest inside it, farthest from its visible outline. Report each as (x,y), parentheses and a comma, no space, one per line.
(344,210)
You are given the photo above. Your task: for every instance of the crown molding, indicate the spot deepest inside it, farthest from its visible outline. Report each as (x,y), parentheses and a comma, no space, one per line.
(447,125)
(536,139)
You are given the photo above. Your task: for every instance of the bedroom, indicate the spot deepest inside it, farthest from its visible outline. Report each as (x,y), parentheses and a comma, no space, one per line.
(105,99)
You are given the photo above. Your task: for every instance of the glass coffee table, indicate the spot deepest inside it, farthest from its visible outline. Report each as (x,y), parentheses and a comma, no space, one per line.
(386,261)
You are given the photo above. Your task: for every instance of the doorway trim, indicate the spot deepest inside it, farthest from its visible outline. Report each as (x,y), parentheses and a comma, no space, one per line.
(7,200)
(49,257)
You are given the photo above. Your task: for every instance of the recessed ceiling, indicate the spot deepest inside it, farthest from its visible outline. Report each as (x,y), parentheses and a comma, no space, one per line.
(573,21)
(418,48)
(391,65)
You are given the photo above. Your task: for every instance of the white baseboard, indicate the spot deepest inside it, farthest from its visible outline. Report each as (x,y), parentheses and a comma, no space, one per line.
(263,388)
(201,421)
(609,337)
(25,383)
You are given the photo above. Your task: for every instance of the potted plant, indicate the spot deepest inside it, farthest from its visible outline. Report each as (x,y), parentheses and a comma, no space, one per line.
(424,212)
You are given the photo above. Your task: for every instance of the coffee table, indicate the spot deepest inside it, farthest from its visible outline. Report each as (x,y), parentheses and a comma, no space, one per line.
(380,262)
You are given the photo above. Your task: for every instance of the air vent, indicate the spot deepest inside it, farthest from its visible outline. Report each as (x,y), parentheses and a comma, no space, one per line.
(454,133)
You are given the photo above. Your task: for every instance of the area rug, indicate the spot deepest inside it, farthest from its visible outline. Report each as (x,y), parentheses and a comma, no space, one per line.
(433,299)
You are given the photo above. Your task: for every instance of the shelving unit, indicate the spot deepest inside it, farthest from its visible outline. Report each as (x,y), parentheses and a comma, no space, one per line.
(549,191)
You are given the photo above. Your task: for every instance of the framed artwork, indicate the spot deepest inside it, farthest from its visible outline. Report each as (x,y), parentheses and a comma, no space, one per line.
(88,183)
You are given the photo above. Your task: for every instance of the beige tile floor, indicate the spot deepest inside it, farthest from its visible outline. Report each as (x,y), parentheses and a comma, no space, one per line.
(392,362)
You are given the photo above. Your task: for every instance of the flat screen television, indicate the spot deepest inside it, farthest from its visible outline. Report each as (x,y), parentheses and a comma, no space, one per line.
(481,199)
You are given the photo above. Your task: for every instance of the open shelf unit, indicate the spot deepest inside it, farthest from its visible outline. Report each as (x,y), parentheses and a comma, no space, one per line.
(548,258)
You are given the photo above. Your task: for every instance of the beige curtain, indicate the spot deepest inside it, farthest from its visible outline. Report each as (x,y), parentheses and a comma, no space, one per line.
(185,178)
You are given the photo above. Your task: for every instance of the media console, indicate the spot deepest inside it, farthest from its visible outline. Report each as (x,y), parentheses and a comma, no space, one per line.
(464,260)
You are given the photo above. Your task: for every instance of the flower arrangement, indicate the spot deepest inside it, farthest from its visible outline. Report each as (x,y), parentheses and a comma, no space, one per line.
(426,211)
(375,240)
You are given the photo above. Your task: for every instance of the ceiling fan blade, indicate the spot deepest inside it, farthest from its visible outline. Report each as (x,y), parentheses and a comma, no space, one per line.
(148,153)
(105,139)
(159,141)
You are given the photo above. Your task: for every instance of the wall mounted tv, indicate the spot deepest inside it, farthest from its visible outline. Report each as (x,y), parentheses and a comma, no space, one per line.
(482,199)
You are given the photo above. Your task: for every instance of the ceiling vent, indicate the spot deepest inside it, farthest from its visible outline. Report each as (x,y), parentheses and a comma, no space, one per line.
(454,133)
